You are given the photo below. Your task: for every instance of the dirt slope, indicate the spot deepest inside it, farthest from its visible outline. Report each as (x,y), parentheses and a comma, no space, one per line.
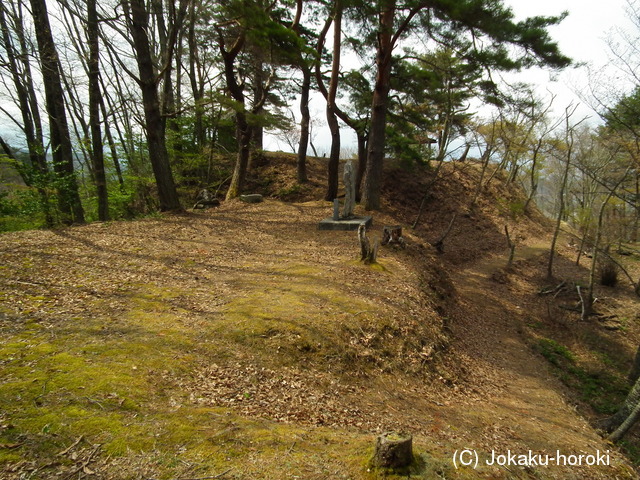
(241,342)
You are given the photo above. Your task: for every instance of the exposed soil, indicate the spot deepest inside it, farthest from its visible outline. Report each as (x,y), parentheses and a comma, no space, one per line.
(228,323)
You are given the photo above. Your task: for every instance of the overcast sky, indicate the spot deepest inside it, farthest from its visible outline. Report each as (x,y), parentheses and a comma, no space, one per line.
(581,36)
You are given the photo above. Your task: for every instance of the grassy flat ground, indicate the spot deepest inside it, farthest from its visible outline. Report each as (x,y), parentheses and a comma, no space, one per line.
(242,343)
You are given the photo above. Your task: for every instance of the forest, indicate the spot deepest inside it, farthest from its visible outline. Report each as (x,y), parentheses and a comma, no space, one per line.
(122,109)
(144,338)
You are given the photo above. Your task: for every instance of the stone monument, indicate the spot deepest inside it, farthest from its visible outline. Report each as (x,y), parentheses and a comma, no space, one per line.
(346,220)
(349,180)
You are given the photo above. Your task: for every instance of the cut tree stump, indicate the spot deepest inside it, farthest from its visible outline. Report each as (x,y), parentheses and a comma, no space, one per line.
(368,254)
(392,236)
(393,451)
(205,199)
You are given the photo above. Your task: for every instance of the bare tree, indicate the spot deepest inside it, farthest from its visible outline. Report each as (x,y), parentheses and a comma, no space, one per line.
(568,152)
(17,63)
(95,101)
(137,18)
(62,151)
(330,95)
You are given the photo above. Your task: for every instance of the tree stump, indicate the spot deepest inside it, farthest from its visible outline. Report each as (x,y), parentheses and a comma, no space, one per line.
(392,236)
(368,254)
(393,451)
(205,199)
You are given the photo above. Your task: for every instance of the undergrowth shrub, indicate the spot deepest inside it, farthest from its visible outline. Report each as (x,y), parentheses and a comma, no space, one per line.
(20,209)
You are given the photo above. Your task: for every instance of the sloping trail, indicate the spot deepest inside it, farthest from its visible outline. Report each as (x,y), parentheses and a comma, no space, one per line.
(182,315)
(523,409)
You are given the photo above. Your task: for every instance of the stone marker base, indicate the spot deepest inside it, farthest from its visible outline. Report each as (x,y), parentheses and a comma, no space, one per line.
(252,198)
(345,224)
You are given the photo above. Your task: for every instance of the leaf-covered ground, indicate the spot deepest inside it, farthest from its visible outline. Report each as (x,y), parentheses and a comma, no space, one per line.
(243,343)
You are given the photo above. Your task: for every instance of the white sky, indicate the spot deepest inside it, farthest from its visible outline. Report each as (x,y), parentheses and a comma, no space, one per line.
(580,36)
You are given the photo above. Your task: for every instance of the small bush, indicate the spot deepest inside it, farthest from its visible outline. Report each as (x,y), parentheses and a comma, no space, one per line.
(20,209)
(608,274)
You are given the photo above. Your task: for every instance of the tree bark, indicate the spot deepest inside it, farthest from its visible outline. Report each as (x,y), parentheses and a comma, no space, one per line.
(195,79)
(243,134)
(635,370)
(305,120)
(533,182)
(110,141)
(362,163)
(68,196)
(20,78)
(138,24)
(629,422)
(243,130)
(168,34)
(626,411)
(332,119)
(368,253)
(596,244)
(393,451)
(375,158)
(94,110)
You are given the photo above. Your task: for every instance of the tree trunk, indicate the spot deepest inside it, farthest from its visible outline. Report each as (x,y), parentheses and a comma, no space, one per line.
(368,253)
(305,120)
(563,187)
(332,119)
(588,303)
(138,23)
(636,222)
(68,195)
(259,91)
(635,370)
(32,126)
(243,134)
(195,79)
(305,89)
(243,130)
(512,247)
(121,116)
(168,35)
(375,158)
(37,159)
(629,422)
(630,405)
(486,156)
(533,183)
(110,141)
(583,242)
(94,110)
(393,451)
(362,163)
